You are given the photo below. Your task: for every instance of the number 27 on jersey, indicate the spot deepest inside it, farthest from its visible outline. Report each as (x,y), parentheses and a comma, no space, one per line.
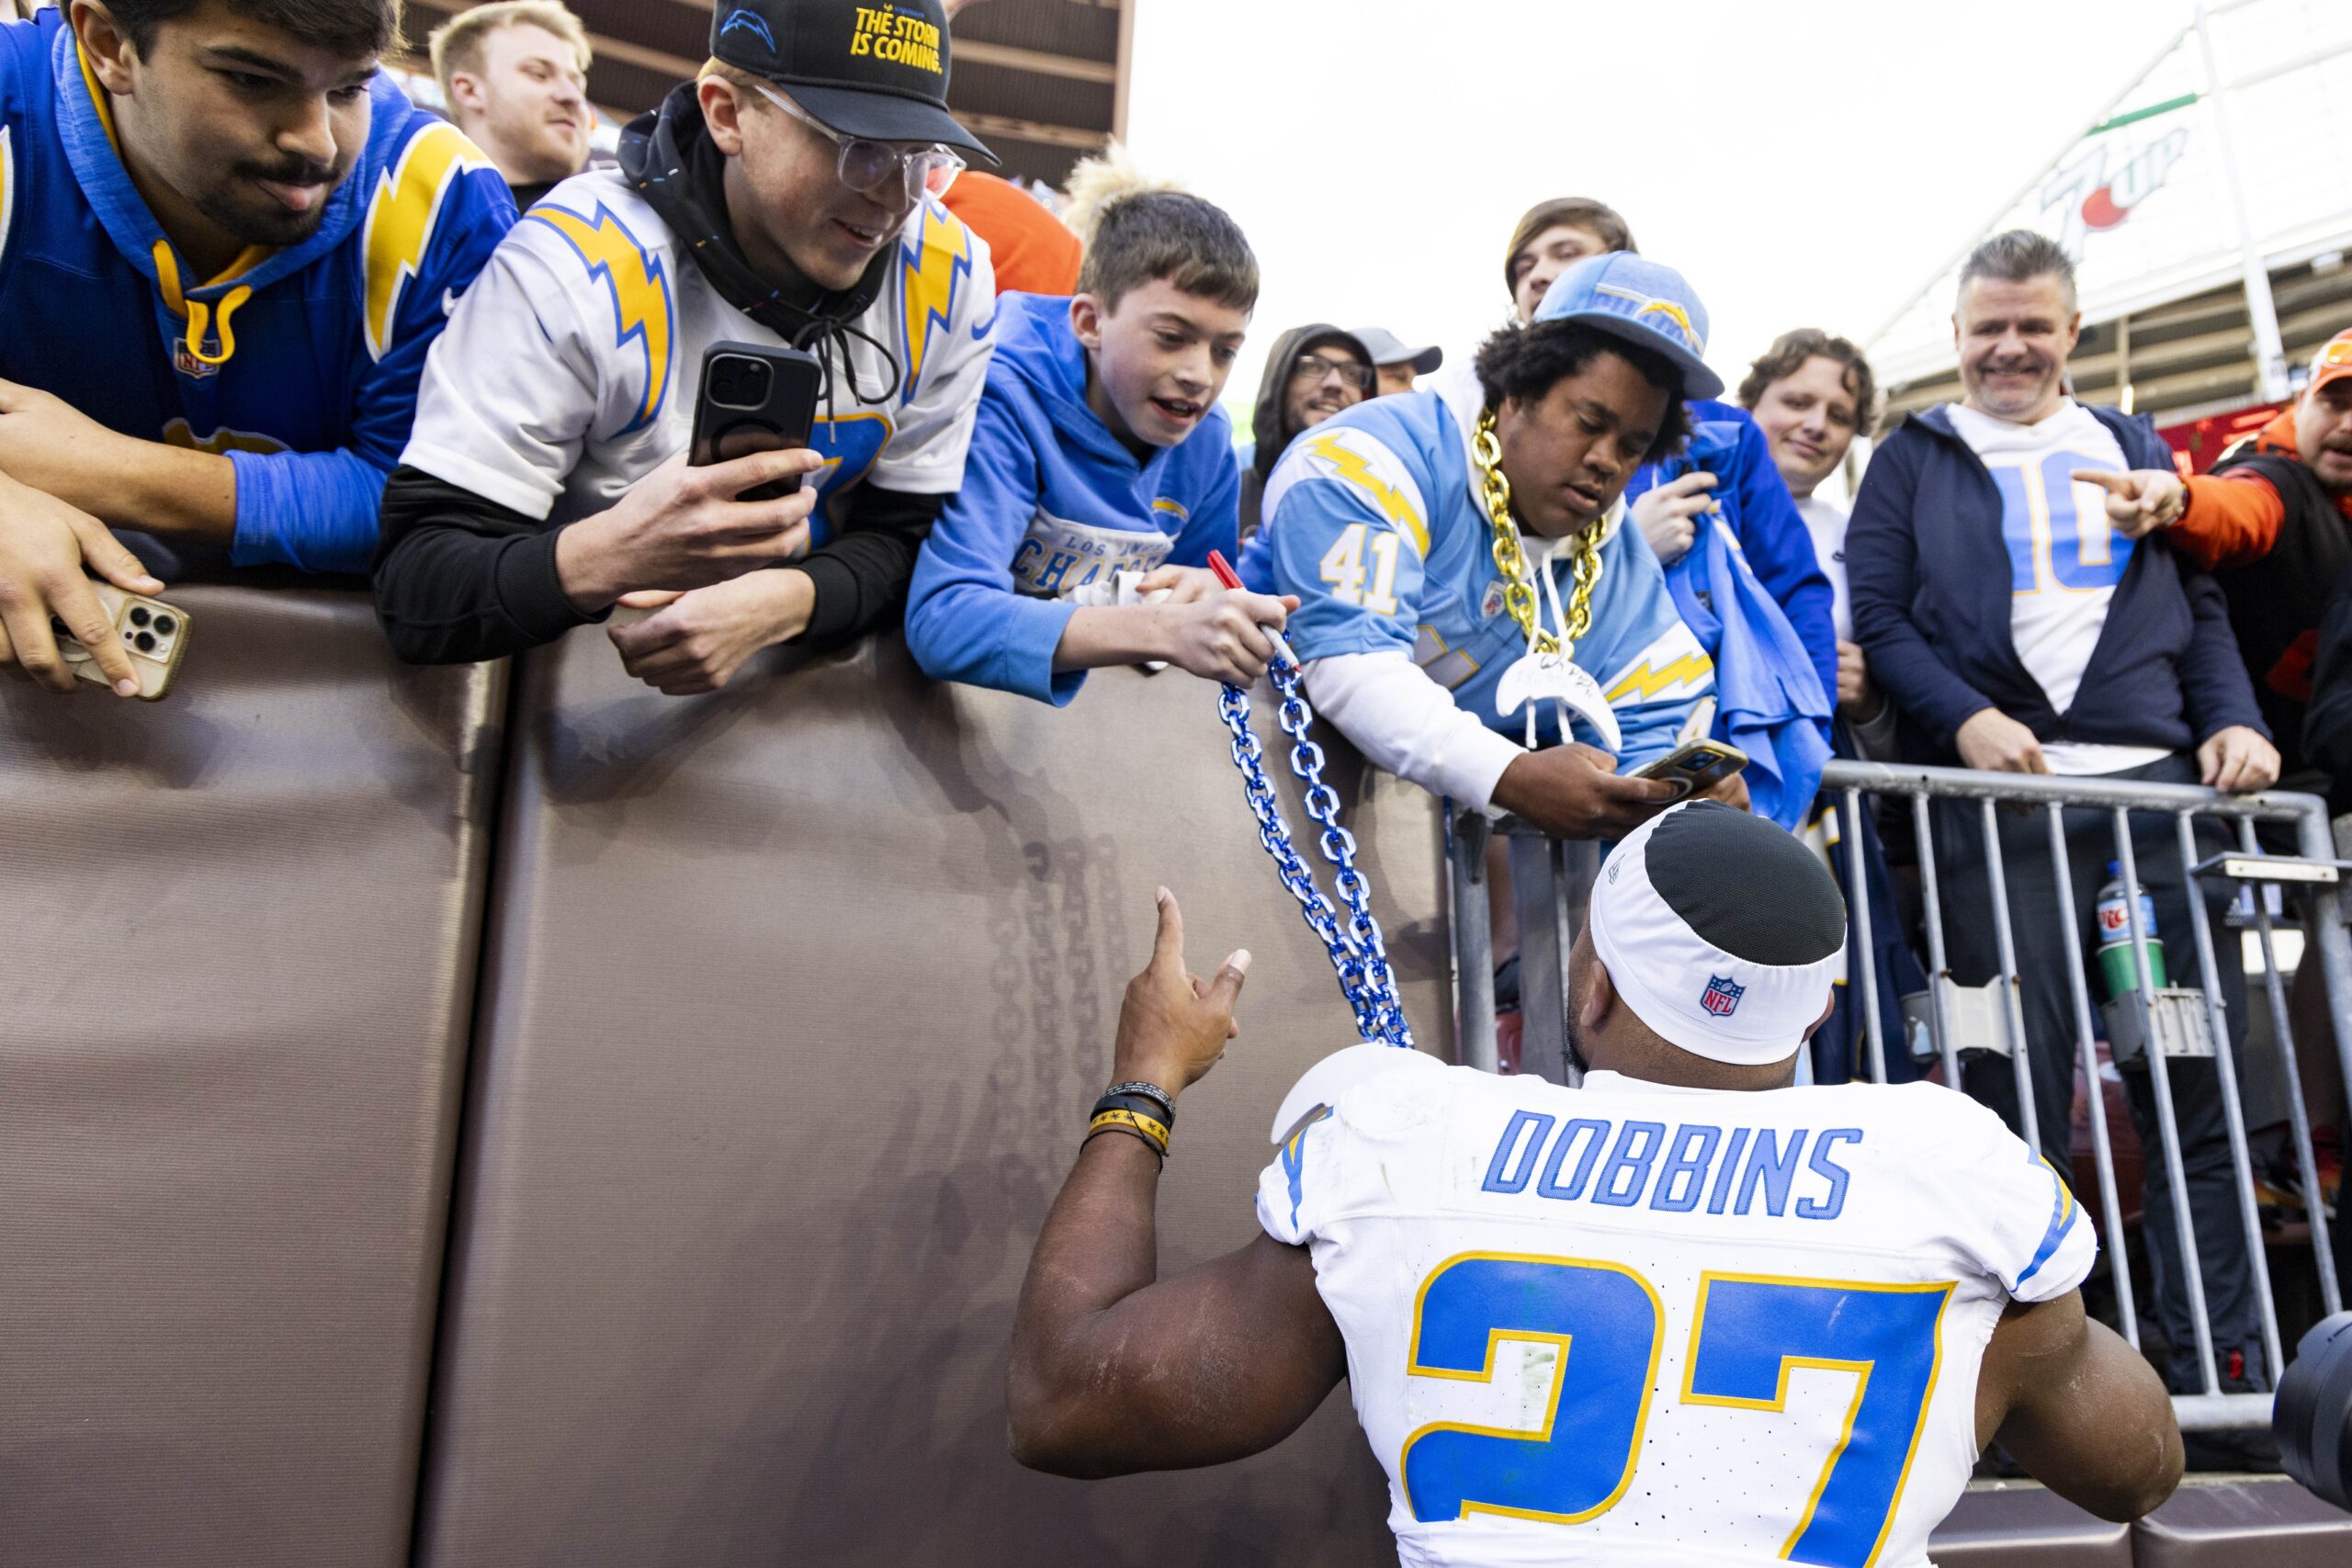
(1747,1332)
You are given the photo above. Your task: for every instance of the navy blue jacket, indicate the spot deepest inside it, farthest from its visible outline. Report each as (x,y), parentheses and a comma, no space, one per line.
(1931,579)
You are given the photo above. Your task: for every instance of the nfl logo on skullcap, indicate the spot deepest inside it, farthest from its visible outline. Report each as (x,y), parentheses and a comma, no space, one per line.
(1722,997)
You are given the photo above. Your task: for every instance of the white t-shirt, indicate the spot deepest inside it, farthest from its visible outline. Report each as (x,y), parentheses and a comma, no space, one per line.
(571,368)
(1825,521)
(2064,560)
(1628,1324)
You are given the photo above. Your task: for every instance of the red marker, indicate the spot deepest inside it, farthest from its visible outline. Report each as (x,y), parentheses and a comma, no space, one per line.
(1232,579)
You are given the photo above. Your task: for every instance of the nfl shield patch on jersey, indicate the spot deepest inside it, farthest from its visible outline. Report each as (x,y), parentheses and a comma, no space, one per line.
(1720,996)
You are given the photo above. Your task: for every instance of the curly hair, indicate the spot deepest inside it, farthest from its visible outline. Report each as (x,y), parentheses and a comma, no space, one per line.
(1791,349)
(1527,362)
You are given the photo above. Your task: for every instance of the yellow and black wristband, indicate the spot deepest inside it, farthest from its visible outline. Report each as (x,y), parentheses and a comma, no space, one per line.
(1118,1119)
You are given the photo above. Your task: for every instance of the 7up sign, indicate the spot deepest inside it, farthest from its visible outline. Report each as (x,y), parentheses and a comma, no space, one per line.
(2085,196)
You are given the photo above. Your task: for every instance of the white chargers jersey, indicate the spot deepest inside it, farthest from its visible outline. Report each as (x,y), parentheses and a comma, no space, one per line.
(571,368)
(1627,1323)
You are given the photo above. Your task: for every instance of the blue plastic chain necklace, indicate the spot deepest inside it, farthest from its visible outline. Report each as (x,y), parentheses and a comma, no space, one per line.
(1358,953)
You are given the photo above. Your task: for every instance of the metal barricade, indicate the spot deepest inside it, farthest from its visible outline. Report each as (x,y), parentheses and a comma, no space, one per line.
(1551,879)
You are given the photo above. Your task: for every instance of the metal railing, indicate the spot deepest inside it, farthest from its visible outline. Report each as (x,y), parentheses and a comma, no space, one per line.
(1551,879)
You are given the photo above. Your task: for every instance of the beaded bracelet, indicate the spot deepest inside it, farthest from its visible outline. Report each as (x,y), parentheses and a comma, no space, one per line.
(1150,1091)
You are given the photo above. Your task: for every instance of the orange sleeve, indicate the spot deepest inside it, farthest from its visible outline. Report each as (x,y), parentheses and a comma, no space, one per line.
(2232,519)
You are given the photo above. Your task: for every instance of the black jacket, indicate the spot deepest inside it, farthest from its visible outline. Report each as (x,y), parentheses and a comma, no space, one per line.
(2276,603)
(1930,578)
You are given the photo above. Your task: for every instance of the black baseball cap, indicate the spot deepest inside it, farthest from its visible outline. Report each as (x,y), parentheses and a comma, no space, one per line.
(876,70)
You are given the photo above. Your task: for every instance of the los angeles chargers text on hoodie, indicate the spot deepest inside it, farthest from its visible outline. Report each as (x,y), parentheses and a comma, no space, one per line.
(1053,500)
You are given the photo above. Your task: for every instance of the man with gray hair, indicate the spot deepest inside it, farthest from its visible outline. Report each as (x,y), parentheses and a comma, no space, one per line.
(2018,632)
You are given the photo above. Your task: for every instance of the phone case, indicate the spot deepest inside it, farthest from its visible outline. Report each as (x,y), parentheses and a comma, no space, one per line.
(783,418)
(153,633)
(1708,763)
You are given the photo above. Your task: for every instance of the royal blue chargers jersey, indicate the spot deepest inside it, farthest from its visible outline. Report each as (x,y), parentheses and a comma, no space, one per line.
(302,363)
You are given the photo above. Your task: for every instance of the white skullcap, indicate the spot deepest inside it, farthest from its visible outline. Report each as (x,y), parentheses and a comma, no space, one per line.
(1721,931)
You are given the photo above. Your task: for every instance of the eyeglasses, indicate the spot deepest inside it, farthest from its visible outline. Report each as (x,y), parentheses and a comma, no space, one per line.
(1314,366)
(866,166)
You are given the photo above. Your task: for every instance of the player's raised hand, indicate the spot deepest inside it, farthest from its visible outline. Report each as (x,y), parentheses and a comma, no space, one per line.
(1173,1025)
(1576,792)
(2138,503)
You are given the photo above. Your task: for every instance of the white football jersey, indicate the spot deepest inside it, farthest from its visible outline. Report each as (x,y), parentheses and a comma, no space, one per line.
(571,368)
(1631,1324)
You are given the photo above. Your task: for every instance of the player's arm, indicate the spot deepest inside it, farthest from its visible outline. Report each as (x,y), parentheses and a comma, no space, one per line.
(1114,1370)
(2079,1408)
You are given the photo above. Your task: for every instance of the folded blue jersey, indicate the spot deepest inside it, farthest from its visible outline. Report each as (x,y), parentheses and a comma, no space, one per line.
(1372,519)
(1753,498)
(300,364)
(1769,700)
(1053,501)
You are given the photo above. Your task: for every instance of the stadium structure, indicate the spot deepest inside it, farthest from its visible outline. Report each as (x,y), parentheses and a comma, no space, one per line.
(2208,207)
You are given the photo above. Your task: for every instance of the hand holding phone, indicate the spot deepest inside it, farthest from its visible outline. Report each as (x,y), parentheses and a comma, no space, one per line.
(153,633)
(731,504)
(1695,767)
(753,399)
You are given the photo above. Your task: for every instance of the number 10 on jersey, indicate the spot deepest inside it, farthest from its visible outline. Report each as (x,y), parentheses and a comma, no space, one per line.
(1607,1325)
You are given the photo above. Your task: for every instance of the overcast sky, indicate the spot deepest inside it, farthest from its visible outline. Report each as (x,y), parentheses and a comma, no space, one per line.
(1805,163)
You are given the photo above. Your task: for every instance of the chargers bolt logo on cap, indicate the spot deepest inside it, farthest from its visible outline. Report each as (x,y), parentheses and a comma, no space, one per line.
(870,69)
(741,21)
(1643,302)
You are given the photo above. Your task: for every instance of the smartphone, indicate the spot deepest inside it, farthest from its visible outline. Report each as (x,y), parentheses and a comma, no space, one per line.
(154,634)
(1696,765)
(753,399)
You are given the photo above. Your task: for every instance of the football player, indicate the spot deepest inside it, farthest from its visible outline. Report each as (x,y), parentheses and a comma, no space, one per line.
(1685,1313)
(226,242)
(788,197)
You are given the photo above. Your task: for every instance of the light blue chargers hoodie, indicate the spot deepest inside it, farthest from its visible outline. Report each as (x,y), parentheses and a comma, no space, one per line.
(1052,501)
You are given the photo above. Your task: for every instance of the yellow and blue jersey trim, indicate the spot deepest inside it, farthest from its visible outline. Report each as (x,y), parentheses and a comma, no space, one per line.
(933,262)
(404,211)
(2061,1220)
(635,283)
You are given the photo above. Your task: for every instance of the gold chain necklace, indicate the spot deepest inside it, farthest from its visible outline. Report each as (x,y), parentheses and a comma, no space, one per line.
(1510,558)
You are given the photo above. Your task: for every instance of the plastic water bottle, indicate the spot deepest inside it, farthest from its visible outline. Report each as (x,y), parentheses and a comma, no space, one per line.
(2116,964)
